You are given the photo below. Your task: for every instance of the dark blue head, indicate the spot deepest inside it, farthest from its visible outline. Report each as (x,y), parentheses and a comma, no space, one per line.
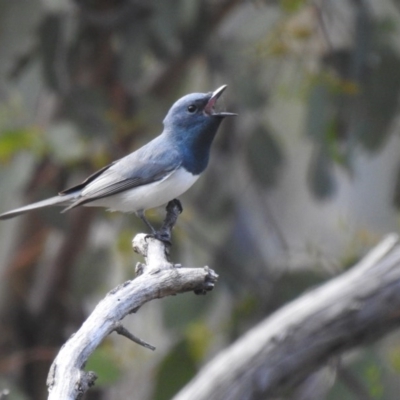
(192,123)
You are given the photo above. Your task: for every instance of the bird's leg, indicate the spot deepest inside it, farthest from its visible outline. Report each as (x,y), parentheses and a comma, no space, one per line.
(174,208)
(141,215)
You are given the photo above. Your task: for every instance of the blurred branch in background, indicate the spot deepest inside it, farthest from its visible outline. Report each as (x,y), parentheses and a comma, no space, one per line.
(357,307)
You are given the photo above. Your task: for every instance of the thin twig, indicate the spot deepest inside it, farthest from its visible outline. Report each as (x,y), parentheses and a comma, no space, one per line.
(121,330)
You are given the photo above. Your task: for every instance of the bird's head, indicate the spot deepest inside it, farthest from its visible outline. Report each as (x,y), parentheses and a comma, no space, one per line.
(192,123)
(196,112)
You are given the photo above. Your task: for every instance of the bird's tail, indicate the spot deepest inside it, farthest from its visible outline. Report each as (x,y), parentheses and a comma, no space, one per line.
(60,200)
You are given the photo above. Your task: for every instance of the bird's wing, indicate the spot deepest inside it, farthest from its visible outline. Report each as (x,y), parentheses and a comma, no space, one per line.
(137,169)
(86,182)
(112,182)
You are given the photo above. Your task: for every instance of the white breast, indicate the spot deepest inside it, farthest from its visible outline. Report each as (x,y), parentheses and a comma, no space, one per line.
(149,196)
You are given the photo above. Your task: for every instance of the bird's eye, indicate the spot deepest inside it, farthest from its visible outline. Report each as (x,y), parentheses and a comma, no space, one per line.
(192,108)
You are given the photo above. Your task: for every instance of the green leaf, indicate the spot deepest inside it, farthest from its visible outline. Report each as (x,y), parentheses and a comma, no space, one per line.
(318,110)
(380,101)
(320,177)
(51,40)
(14,140)
(264,156)
(292,5)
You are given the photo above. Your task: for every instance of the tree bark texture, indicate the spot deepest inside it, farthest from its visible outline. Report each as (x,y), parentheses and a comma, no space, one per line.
(158,278)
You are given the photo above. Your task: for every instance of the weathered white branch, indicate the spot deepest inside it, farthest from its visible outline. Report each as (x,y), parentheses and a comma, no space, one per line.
(158,278)
(357,307)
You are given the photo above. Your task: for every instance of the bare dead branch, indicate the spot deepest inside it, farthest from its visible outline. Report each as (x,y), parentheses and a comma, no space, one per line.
(159,278)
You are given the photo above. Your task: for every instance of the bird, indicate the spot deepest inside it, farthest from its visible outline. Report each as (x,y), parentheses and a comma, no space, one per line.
(154,174)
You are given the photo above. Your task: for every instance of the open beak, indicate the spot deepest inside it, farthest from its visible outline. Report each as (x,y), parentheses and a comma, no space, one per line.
(209,108)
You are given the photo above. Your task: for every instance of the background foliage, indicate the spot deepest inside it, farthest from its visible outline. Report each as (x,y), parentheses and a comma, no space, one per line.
(300,185)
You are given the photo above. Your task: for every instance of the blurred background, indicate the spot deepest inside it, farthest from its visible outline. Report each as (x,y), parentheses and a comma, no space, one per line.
(300,185)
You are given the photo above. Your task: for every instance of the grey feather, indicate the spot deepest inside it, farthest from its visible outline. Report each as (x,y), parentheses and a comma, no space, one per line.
(60,200)
(120,176)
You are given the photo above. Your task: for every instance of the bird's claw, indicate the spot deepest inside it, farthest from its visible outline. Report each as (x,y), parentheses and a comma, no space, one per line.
(161,236)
